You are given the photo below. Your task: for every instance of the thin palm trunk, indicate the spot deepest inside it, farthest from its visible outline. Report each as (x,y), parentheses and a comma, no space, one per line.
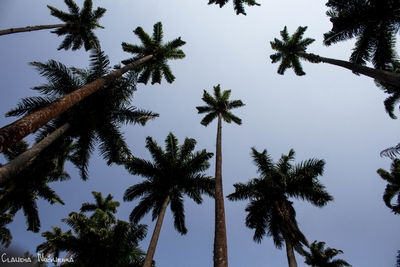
(24,160)
(290,253)
(220,243)
(31,28)
(381,75)
(66,259)
(156,233)
(17,130)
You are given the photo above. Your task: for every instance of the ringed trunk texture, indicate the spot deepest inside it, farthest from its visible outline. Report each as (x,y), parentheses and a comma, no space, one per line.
(290,254)
(24,160)
(381,75)
(220,243)
(17,130)
(31,28)
(156,233)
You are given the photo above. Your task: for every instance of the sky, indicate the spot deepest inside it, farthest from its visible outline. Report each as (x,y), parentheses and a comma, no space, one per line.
(329,114)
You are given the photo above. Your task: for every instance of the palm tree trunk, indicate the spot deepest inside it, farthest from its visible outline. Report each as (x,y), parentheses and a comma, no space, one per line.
(31,28)
(17,130)
(381,75)
(220,243)
(290,254)
(26,159)
(156,233)
(66,258)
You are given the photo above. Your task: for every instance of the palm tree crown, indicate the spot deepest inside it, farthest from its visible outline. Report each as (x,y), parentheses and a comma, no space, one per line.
(157,66)
(393,187)
(238,5)
(288,50)
(79,25)
(320,257)
(175,171)
(373,22)
(104,208)
(219,104)
(270,212)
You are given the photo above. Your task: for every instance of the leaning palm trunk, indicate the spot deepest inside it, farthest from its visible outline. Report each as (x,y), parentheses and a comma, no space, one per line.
(381,75)
(290,253)
(31,28)
(220,243)
(17,130)
(156,233)
(25,159)
(66,259)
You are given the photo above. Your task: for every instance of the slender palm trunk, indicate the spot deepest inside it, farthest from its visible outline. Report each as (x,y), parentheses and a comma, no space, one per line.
(220,243)
(381,75)
(156,233)
(66,258)
(31,28)
(26,159)
(17,130)
(290,254)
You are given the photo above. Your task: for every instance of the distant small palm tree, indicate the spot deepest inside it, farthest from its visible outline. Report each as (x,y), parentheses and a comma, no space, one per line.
(104,208)
(54,242)
(219,106)
(320,257)
(270,212)
(238,5)
(152,52)
(293,48)
(393,187)
(175,172)
(78,25)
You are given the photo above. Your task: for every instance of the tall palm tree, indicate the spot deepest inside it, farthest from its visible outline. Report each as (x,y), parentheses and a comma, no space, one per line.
(393,187)
(238,5)
(270,212)
(219,107)
(53,241)
(293,48)
(154,53)
(32,183)
(78,25)
(175,172)
(97,117)
(320,257)
(104,208)
(374,23)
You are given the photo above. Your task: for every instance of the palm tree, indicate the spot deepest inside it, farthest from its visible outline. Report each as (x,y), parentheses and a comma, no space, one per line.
(219,107)
(237,4)
(374,23)
(32,183)
(96,118)
(78,25)
(291,48)
(320,257)
(270,212)
(175,172)
(393,187)
(5,234)
(155,53)
(53,241)
(104,208)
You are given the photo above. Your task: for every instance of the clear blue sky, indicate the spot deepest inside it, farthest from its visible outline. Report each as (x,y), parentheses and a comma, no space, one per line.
(329,114)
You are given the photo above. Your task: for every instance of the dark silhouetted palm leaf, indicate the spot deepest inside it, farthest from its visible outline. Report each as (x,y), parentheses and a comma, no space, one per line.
(393,187)
(321,257)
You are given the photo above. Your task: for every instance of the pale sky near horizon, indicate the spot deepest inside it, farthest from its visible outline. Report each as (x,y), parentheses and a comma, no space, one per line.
(329,114)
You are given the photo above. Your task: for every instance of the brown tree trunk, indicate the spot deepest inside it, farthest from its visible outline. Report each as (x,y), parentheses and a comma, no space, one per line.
(156,233)
(25,159)
(31,28)
(290,254)
(220,243)
(381,75)
(17,130)
(66,259)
